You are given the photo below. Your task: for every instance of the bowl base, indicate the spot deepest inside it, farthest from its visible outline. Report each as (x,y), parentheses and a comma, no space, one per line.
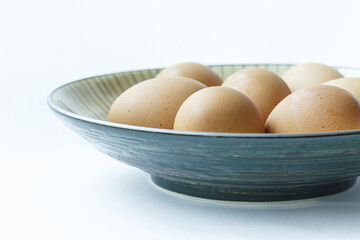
(253,193)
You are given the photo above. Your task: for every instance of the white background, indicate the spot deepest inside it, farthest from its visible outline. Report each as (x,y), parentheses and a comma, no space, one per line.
(54,185)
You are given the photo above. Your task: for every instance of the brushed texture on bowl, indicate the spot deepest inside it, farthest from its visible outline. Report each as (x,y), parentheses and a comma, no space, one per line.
(225,166)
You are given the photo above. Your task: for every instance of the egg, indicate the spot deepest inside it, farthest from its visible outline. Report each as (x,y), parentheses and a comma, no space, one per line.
(193,70)
(350,84)
(219,109)
(322,108)
(265,88)
(309,74)
(154,102)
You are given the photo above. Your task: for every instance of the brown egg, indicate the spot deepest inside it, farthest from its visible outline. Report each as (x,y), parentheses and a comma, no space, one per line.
(350,84)
(321,108)
(219,109)
(263,87)
(193,70)
(154,102)
(309,74)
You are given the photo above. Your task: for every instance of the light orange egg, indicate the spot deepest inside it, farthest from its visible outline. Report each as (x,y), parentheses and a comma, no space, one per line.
(193,70)
(320,108)
(265,88)
(350,84)
(153,103)
(219,109)
(309,74)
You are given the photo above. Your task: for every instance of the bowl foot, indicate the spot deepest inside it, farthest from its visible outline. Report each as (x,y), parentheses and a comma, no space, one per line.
(256,193)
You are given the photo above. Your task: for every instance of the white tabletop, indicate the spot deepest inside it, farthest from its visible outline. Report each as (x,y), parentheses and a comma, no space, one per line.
(55,185)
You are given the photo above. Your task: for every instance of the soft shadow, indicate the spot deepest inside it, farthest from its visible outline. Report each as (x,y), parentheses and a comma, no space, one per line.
(341,211)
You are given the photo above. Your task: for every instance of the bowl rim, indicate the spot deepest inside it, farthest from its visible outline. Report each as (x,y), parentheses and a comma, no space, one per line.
(68,114)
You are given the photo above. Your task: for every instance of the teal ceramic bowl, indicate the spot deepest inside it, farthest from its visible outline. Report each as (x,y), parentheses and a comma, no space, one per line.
(222,166)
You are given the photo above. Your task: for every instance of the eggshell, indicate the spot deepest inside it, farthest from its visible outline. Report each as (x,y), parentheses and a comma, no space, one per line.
(265,88)
(309,74)
(320,108)
(193,70)
(350,84)
(154,102)
(219,109)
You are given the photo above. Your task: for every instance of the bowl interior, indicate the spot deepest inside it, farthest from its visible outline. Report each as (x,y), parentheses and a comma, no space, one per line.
(93,97)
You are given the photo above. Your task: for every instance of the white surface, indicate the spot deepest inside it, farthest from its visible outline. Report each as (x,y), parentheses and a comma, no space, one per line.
(54,185)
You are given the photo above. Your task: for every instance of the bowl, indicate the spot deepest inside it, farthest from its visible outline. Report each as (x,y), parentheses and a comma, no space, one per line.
(221,166)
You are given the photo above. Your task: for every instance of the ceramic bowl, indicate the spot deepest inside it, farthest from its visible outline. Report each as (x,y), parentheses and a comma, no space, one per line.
(222,166)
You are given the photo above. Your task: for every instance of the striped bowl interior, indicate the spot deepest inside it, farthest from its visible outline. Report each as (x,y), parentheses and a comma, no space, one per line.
(92,97)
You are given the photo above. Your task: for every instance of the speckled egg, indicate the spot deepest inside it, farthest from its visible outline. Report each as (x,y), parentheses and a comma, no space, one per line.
(219,109)
(321,108)
(309,74)
(350,84)
(153,103)
(193,70)
(265,88)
